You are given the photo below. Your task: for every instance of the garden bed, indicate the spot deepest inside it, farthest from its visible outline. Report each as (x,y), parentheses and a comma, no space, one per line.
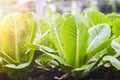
(76,44)
(102,73)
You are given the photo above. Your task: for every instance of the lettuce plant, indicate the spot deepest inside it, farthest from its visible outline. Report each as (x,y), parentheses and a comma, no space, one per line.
(16,32)
(77,42)
(73,41)
(114,52)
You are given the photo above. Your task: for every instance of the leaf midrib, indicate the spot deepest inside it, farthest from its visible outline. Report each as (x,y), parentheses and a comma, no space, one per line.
(16,42)
(55,26)
(77,48)
(95,39)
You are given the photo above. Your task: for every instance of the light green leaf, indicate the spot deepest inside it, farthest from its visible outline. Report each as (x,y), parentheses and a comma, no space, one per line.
(60,59)
(43,29)
(98,34)
(84,67)
(93,18)
(113,17)
(116,27)
(40,37)
(57,23)
(47,49)
(48,14)
(116,46)
(20,66)
(17,30)
(74,37)
(45,58)
(67,15)
(43,26)
(99,39)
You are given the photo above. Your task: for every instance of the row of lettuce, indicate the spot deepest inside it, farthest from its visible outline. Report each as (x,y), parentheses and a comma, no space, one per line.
(77,43)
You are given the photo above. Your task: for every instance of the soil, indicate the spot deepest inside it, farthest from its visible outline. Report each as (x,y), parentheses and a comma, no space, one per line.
(3,76)
(102,73)
(52,74)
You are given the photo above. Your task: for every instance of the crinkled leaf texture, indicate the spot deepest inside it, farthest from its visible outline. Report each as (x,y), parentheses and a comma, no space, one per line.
(75,42)
(99,39)
(42,29)
(16,31)
(74,36)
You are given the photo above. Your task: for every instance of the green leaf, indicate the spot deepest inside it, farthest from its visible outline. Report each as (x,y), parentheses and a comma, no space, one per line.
(60,59)
(74,37)
(17,30)
(47,49)
(113,17)
(93,18)
(20,66)
(110,50)
(43,29)
(84,67)
(116,46)
(48,14)
(67,15)
(41,37)
(43,26)
(57,23)
(32,26)
(45,58)
(113,60)
(99,39)
(98,34)
(116,27)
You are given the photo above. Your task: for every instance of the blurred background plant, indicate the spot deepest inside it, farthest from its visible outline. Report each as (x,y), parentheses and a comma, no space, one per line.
(73,6)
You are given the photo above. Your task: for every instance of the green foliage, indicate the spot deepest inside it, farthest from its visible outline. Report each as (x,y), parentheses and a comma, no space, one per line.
(113,60)
(99,39)
(93,18)
(16,32)
(116,27)
(76,43)
(74,37)
(113,17)
(71,42)
(114,49)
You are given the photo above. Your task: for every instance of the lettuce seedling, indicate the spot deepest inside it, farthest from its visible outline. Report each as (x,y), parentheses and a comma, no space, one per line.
(76,42)
(17,30)
(115,45)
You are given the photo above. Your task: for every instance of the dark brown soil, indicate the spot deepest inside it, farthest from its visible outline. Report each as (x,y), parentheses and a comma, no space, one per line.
(52,74)
(102,73)
(3,76)
(56,74)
